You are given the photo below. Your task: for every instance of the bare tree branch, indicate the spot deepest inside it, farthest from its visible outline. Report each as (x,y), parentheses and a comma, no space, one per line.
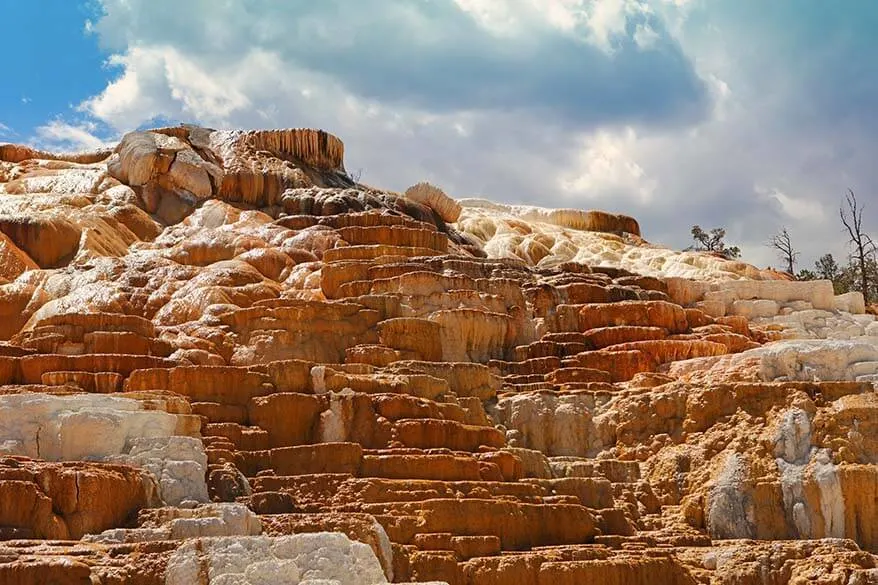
(852,218)
(784,246)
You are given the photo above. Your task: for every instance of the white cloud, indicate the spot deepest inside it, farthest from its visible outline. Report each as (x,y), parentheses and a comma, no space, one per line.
(607,165)
(162,81)
(5,130)
(547,102)
(443,55)
(600,22)
(497,17)
(62,136)
(135,96)
(597,21)
(796,208)
(645,36)
(607,19)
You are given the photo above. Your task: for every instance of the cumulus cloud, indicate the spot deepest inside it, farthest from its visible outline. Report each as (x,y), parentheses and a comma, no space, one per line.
(58,135)
(601,23)
(606,166)
(162,81)
(441,56)
(675,111)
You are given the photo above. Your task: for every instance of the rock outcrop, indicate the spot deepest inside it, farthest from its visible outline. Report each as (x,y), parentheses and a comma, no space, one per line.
(225,361)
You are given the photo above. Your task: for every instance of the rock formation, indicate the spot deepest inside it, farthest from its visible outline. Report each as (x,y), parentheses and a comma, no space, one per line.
(222,360)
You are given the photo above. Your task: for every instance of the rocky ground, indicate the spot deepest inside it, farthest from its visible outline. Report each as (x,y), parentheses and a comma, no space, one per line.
(225,362)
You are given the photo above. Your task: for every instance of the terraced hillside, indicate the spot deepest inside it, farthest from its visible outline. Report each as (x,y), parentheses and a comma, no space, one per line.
(224,361)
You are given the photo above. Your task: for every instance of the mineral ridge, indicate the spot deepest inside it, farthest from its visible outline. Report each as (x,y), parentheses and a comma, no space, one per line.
(225,361)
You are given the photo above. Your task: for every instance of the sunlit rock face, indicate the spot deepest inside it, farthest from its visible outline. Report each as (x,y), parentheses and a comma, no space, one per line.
(98,427)
(550,237)
(223,361)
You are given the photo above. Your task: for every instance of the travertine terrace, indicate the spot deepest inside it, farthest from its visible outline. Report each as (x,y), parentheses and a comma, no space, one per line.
(223,361)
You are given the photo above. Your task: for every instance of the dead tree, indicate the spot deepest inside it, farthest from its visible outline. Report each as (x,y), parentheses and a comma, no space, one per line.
(784,246)
(864,247)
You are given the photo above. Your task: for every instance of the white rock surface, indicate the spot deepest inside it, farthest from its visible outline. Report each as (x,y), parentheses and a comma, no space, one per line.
(730,512)
(759,298)
(796,360)
(852,302)
(210,520)
(323,557)
(801,466)
(557,425)
(549,237)
(831,495)
(178,463)
(436,199)
(817,359)
(756,308)
(792,449)
(817,324)
(817,292)
(98,427)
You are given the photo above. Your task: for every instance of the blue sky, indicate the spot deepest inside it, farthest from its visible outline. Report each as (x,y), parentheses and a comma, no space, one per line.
(55,65)
(751,114)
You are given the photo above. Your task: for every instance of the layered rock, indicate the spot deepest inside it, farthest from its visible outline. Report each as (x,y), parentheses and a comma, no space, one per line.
(225,361)
(62,501)
(327,557)
(106,428)
(549,237)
